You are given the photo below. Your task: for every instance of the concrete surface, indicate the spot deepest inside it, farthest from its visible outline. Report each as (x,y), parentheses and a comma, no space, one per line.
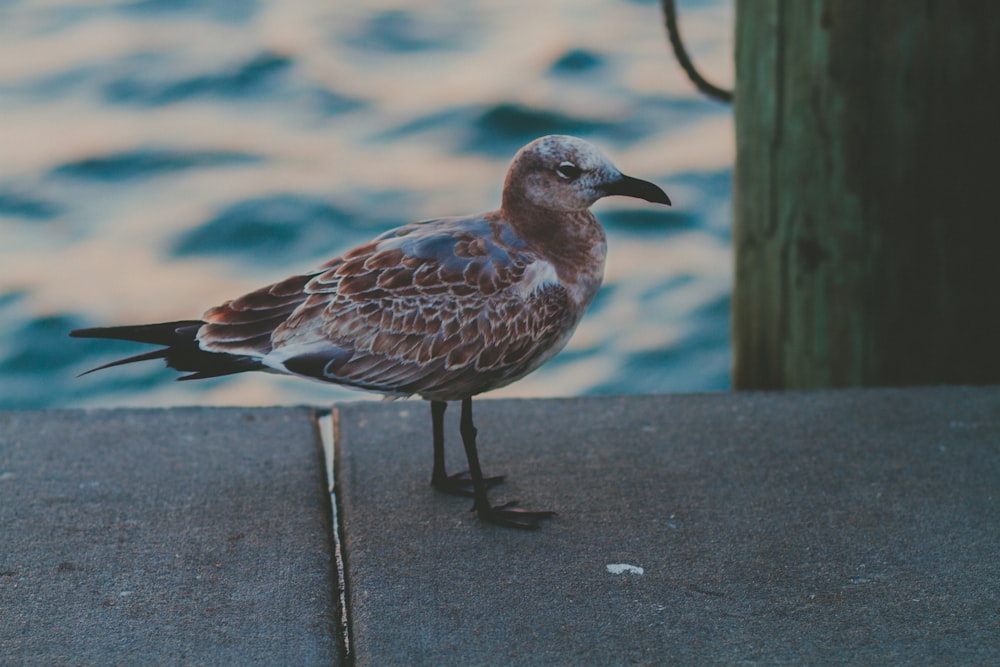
(855,527)
(164,537)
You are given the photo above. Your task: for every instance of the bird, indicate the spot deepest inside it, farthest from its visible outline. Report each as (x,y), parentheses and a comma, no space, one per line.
(445,309)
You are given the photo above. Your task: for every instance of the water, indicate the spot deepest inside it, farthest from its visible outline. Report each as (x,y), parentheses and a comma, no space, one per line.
(159,156)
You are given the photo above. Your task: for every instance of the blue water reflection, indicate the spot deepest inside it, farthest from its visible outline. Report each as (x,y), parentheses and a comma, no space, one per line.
(160,157)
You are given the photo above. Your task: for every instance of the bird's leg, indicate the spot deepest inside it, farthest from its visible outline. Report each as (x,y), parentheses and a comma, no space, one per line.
(504,515)
(438,475)
(459,484)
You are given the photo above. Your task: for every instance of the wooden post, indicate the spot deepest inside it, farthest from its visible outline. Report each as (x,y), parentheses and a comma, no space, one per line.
(867,193)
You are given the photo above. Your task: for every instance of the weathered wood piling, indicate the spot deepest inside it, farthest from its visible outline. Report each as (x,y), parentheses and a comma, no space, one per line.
(867,228)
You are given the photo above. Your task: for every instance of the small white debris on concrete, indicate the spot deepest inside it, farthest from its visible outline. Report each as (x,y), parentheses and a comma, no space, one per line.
(622,568)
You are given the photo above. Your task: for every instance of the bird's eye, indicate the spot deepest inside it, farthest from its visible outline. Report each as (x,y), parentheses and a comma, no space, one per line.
(568,171)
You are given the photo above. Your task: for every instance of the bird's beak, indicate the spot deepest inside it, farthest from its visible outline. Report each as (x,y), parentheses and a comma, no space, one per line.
(634,187)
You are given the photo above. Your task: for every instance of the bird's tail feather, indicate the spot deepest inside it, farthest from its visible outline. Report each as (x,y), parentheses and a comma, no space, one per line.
(181,349)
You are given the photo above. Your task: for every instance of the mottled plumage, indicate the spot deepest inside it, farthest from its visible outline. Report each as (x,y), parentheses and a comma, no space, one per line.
(445,309)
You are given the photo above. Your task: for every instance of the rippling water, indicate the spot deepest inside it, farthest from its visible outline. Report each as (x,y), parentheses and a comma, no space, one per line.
(160,156)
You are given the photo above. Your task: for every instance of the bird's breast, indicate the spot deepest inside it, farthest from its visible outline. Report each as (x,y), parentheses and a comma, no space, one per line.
(581,283)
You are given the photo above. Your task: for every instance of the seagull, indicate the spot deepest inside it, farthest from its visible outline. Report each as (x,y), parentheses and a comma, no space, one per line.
(445,309)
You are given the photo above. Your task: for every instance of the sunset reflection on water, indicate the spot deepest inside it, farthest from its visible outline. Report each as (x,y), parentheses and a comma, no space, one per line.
(158,159)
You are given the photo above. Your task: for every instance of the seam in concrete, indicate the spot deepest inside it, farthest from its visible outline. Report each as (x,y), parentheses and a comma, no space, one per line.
(329,432)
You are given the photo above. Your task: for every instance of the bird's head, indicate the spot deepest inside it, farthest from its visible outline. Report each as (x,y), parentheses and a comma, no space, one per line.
(564,173)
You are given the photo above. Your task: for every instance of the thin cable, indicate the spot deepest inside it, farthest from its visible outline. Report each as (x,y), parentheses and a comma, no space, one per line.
(713,91)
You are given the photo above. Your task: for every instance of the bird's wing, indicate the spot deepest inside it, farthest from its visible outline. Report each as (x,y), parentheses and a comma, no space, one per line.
(244,326)
(442,307)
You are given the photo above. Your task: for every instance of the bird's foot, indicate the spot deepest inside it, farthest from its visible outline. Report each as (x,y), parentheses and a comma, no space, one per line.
(512,516)
(460,484)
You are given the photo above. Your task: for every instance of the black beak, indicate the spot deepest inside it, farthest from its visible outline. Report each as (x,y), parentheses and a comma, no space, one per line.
(634,187)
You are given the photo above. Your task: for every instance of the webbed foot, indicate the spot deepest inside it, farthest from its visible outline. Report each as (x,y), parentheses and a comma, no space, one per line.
(511,516)
(460,484)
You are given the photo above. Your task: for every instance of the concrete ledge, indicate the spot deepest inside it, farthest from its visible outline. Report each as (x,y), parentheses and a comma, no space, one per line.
(851,527)
(166,537)
(848,527)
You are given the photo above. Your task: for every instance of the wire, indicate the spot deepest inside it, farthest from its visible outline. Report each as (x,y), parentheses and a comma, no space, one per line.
(709,89)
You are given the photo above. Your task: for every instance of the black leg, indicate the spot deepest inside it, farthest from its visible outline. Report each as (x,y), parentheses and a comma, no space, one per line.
(459,484)
(504,515)
(438,476)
